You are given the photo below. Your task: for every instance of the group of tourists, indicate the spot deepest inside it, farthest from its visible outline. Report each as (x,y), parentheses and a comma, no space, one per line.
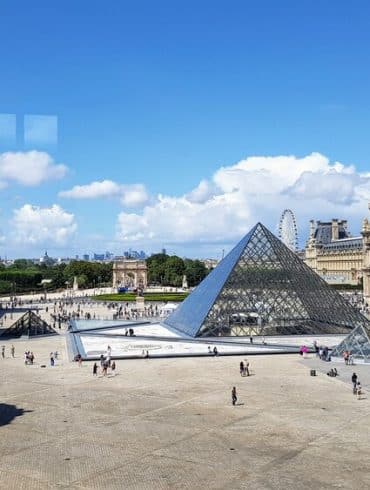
(333,373)
(29,357)
(244,371)
(213,352)
(106,363)
(348,358)
(244,368)
(52,357)
(322,352)
(12,351)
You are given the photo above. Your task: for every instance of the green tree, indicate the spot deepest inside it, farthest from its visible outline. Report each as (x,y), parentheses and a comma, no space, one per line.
(22,264)
(174,271)
(93,273)
(195,271)
(156,268)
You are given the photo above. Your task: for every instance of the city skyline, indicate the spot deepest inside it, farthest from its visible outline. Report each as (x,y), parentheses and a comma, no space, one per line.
(179,128)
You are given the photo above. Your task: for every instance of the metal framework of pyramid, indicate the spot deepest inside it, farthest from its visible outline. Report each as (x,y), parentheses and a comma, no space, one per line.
(356,343)
(263,288)
(28,324)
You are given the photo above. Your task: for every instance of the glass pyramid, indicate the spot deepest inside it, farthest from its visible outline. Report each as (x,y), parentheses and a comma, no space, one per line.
(356,343)
(263,288)
(28,324)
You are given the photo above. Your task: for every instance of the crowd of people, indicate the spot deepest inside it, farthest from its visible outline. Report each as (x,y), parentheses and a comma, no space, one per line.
(58,312)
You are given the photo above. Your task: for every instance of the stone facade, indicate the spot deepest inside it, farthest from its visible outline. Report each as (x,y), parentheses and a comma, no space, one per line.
(130,273)
(366,259)
(334,254)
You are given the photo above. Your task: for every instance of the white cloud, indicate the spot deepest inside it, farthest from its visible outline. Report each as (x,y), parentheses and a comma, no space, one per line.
(334,186)
(255,189)
(133,195)
(47,226)
(105,188)
(204,191)
(29,168)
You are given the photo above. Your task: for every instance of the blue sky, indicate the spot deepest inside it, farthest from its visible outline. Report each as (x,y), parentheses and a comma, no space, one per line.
(164,95)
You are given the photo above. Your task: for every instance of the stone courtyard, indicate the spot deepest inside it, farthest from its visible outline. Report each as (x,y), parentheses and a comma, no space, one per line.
(169,424)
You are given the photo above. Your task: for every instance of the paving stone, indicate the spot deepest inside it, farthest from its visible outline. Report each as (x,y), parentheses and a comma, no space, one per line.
(169,424)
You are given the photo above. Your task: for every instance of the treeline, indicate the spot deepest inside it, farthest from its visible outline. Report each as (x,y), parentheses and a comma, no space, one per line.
(25,276)
(166,270)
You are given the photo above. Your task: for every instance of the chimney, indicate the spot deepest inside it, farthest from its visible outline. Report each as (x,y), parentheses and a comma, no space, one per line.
(334,229)
(312,228)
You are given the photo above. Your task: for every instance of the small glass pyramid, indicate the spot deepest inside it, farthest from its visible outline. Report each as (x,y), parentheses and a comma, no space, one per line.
(263,288)
(28,324)
(357,343)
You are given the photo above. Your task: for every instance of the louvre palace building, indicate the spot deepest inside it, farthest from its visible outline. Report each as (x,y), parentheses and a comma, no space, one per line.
(337,256)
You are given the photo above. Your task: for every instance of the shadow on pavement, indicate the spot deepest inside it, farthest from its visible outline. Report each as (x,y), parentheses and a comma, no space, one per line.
(9,412)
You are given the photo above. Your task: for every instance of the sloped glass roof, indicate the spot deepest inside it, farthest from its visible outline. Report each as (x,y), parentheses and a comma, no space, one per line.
(188,317)
(261,287)
(357,343)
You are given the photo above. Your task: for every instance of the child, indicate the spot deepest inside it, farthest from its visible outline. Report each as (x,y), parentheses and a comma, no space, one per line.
(359,390)
(95,369)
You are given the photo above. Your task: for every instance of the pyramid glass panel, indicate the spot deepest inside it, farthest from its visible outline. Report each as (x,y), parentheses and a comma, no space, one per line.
(357,343)
(263,288)
(28,324)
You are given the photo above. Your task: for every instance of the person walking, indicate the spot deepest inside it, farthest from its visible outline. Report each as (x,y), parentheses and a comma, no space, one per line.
(246,368)
(234,398)
(354,382)
(113,367)
(51,359)
(241,368)
(359,390)
(3,351)
(12,350)
(95,369)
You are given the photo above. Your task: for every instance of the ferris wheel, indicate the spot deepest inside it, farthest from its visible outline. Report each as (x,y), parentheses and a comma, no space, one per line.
(288,232)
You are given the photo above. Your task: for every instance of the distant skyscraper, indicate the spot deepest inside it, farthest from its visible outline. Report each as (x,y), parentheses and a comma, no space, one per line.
(86,257)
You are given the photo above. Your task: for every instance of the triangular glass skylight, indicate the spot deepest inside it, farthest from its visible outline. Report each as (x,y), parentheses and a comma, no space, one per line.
(263,288)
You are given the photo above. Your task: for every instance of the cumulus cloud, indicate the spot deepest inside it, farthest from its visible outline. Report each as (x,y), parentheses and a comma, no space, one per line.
(224,207)
(105,188)
(133,195)
(48,226)
(204,191)
(29,168)
(334,186)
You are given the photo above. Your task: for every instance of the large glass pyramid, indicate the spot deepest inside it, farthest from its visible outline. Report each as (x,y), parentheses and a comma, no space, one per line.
(263,288)
(356,343)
